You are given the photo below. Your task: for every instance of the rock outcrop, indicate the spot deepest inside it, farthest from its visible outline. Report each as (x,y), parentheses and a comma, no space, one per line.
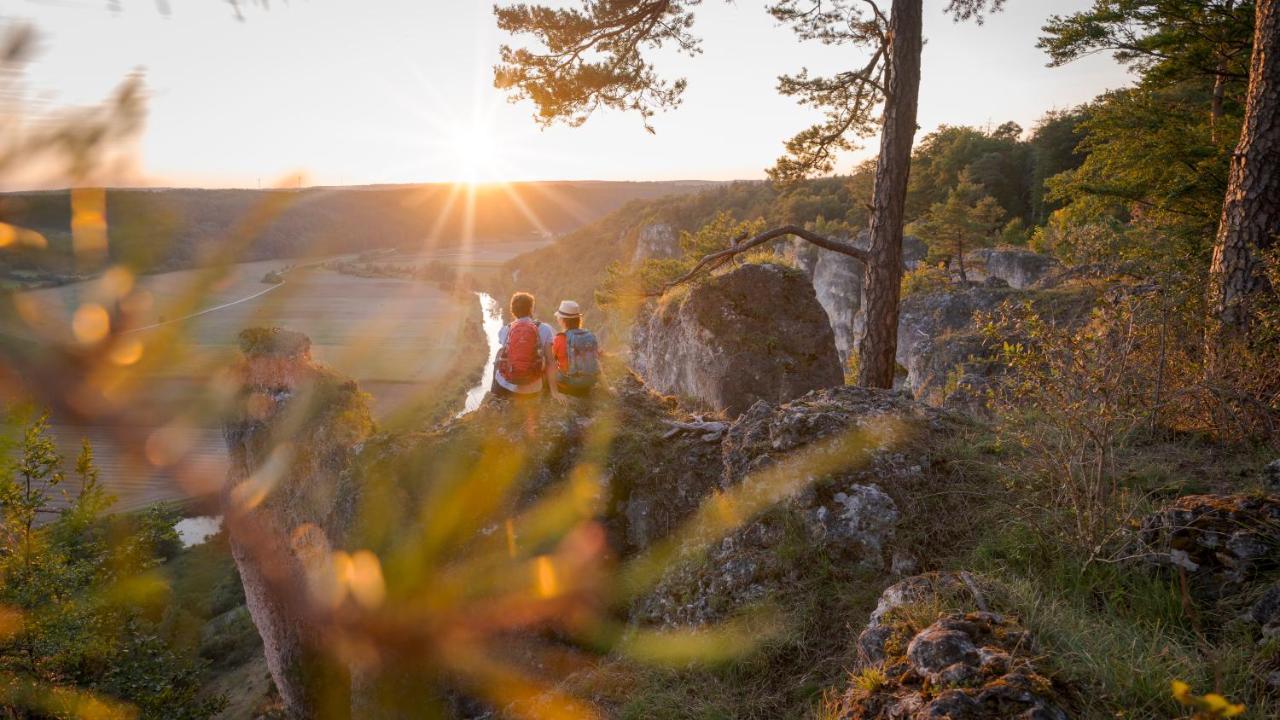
(849,513)
(937,345)
(289,497)
(837,281)
(1220,541)
(655,242)
(1019,267)
(755,333)
(1271,476)
(971,664)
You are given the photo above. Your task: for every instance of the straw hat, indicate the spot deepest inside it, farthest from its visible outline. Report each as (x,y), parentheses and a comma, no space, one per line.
(568,309)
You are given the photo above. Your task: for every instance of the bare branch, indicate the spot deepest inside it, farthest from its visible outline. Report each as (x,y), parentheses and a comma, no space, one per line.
(736,248)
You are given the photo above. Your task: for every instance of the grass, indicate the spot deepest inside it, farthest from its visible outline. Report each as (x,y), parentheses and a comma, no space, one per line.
(1113,634)
(1117,633)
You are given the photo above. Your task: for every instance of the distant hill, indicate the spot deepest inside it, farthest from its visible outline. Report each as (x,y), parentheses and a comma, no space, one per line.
(172,228)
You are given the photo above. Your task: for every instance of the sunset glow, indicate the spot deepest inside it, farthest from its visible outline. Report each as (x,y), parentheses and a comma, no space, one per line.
(405,94)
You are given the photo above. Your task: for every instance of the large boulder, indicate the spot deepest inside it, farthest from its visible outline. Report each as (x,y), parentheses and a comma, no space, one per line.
(755,333)
(837,281)
(1019,267)
(935,337)
(289,499)
(655,242)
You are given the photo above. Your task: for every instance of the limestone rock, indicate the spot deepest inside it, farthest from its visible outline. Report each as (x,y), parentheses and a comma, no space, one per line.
(952,587)
(986,659)
(654,242)
(1266,612)
(849,515)
(860,516)
(1019,267)
(1271,476)
(935,338)
(288,498)
(1221,541)
(977,664)
(756,333)
(837,281)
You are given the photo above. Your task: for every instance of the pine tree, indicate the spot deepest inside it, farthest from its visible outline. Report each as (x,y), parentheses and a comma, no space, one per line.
(968,218)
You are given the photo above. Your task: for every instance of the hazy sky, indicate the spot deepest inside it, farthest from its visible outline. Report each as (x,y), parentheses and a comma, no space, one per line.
(372,91)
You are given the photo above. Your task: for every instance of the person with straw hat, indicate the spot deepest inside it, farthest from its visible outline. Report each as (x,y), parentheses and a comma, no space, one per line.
(576,352)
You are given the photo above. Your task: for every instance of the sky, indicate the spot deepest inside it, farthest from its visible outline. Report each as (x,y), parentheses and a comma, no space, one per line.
(392,91)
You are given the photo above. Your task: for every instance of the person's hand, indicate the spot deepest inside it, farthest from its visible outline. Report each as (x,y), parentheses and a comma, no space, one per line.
(560,397)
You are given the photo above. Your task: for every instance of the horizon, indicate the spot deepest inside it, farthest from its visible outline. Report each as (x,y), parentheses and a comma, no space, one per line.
(494,184)
(379,111)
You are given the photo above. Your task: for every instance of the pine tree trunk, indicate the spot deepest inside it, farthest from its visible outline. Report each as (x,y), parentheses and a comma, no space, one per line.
(877,347)
(1251,212)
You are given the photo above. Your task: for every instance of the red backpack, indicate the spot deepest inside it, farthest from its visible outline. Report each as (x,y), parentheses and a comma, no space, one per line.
(522,360)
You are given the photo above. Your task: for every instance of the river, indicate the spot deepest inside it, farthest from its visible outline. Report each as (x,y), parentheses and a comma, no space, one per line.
(492,323)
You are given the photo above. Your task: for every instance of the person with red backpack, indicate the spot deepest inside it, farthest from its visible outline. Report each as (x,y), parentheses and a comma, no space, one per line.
(576,352)
(522,369)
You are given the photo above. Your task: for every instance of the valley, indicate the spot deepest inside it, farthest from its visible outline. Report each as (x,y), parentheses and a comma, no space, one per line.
(399,338)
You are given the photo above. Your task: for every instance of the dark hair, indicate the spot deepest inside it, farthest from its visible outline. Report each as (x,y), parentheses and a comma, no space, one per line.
(571,323)
(522,304)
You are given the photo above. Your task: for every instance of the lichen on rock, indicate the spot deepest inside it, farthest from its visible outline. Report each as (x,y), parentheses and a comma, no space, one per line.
(1220,541)
(971,664)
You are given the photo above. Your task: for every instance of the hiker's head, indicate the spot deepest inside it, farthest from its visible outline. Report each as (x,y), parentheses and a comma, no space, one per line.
(569,315)
(522,305)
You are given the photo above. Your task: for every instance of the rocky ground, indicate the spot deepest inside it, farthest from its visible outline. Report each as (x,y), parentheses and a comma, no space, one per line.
(888,550)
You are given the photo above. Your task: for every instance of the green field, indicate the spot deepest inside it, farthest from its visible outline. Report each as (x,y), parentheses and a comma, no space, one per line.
(399,338)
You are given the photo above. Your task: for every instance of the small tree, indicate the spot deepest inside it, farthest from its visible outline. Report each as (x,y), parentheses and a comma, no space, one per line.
(79,601)
(24,492)
(968,218)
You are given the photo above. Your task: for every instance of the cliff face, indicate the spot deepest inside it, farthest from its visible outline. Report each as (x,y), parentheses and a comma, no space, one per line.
(756,333)
(837,281)
(289,499)
(1019,267)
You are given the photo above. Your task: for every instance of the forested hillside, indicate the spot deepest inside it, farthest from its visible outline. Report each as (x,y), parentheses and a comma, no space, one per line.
(171,228)
(1007,164)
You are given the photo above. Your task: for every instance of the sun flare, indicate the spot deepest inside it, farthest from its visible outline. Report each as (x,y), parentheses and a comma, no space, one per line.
(477,155)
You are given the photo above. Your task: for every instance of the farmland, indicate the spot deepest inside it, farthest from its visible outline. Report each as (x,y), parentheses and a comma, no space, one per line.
(399,338)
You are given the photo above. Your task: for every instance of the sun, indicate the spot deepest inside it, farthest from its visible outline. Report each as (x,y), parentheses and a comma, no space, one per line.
(477,154)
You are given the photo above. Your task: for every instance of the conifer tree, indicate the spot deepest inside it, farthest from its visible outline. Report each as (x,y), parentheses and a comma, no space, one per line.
(968,218)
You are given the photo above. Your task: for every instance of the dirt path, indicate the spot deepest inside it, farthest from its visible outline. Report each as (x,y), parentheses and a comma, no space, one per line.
(206,311)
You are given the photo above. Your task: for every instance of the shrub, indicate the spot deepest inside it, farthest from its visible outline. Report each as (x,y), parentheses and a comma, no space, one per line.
(924,279)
